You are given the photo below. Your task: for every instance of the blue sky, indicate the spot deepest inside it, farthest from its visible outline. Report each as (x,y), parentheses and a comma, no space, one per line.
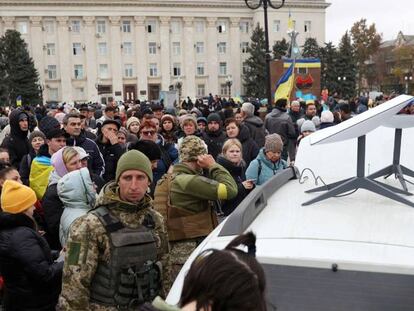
(388,16)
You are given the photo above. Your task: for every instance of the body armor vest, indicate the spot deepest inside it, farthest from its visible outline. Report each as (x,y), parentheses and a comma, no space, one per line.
(182,224)
(132,276)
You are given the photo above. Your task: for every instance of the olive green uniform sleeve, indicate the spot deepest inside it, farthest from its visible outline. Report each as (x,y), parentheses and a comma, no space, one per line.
(220,174)
(81,261)
(220,185)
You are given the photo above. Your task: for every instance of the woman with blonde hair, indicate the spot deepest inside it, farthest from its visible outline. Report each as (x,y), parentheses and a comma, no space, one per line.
(64,161)
(232,160)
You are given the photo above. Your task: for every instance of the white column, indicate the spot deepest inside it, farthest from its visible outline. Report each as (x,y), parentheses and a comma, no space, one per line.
(91,67)
(116,55)
(37,45)
(235,57)
(65,69)
(189,58)
(213,64)
(1,27)
(165,52)
(8,23)
(141,49)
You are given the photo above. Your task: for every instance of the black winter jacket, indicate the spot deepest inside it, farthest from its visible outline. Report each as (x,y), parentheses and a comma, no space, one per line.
(17,142)
(53,209)
(111,155)
(95,160)
(25,166)
(32,279)
(256,128)
(214,142)
(238,174)
(249,146)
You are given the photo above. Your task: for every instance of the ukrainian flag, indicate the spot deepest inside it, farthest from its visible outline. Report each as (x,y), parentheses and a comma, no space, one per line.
(285,84)
(19,101)
(291,25)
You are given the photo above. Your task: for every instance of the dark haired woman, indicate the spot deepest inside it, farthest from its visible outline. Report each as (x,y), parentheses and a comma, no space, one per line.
(168,129)
(222,280)
(242,133)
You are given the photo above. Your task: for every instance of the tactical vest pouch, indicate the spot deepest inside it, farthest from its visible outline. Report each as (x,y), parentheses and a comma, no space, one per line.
(132,276)
(182,224)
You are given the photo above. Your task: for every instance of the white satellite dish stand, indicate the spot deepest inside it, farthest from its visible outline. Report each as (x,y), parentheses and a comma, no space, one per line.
(358,127)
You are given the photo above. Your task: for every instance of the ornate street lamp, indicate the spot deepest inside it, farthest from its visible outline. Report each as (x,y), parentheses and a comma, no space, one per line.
(229,83)
(408,78)
(41,89)
(253,5)
(343,79)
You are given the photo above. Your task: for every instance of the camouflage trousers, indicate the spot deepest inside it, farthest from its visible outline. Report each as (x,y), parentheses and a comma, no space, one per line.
(179,253)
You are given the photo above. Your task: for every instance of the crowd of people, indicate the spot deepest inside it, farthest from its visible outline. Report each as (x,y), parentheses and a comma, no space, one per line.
(102,205)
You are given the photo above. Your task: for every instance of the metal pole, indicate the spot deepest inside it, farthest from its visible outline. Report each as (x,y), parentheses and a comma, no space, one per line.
(267,57)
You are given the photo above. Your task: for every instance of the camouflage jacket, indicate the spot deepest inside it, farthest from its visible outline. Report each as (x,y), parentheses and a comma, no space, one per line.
(88,243)
(191,190)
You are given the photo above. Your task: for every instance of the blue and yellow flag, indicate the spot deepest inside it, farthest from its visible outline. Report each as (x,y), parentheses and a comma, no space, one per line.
(291,24)
(19,101)
(285,84)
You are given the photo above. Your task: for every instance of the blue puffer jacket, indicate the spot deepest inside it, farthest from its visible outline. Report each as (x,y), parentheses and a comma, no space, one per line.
(78,196)
(261,169)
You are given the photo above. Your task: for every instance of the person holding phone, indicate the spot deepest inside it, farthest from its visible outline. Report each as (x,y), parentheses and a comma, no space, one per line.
(231,159)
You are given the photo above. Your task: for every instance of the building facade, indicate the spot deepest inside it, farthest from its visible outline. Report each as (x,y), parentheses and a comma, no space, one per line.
(134,49)
(391,69)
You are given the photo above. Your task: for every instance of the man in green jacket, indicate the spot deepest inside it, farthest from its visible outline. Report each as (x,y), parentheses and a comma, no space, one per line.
(189,213)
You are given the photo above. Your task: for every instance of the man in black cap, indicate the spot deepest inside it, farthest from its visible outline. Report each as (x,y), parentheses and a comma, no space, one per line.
(41,166)
(157,109)
(109,147)
(215,136)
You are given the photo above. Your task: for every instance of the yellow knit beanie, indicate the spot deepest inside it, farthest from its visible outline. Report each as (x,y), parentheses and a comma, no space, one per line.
(16,198)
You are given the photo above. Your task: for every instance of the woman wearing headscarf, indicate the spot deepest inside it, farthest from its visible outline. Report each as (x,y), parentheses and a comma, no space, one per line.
(64,161)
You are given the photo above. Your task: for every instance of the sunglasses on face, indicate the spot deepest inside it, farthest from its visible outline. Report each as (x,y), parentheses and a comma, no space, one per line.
(148,132)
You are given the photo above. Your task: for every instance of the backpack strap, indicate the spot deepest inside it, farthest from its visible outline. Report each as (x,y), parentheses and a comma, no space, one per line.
(110,222)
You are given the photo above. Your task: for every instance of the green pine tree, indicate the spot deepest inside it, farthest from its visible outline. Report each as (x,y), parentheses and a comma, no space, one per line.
(255,76)
(346,67)
(329,77)
(20,76)
(280,49)
(311,48)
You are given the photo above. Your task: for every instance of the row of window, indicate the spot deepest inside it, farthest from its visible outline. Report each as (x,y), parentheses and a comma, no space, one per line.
(307,26)
(126,26)
(151,26)
(127,48)
(80,92)
(129,70)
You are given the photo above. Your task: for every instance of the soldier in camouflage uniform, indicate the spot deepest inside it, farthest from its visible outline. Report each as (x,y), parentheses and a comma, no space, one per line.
(91,244)
(189,205)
